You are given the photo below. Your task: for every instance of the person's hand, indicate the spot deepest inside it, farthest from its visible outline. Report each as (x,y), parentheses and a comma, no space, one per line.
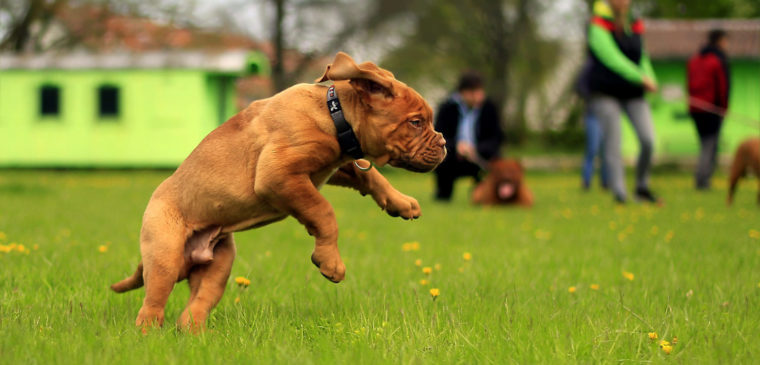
(649,84)
(466,150)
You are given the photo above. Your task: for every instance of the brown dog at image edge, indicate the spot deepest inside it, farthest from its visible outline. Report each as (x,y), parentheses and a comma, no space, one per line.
(746,158)
(504,185)
(268,162)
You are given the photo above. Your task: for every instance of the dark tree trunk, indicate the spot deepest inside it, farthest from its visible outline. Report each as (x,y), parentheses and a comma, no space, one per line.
(278,68)
(20,33)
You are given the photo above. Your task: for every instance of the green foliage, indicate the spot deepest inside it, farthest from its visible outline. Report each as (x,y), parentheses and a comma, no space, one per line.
(500,39)
(694,263)
(700,9)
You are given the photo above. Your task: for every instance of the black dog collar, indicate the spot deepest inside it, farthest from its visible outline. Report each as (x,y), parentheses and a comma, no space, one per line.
(346,137)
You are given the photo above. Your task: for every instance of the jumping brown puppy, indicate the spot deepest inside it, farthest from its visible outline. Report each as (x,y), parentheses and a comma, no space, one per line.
(503,185)
(266,163)
(747,157)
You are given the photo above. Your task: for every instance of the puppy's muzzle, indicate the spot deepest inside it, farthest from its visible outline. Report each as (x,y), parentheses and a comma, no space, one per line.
(427,158)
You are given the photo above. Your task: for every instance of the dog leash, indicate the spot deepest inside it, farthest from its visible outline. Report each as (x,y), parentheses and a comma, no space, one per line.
(714,109)
(347,140)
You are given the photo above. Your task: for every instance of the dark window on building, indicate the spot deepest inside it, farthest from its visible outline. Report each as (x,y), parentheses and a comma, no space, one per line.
(50,100)
(108,101)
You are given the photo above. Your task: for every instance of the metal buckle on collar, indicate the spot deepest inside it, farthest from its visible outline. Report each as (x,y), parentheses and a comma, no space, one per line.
(363,169)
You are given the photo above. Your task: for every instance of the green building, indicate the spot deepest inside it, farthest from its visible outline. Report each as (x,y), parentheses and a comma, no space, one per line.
(145,109)
(670,44)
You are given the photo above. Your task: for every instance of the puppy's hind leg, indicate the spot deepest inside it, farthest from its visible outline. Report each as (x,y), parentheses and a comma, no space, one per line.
(207,284)
(737,171)
(162,244)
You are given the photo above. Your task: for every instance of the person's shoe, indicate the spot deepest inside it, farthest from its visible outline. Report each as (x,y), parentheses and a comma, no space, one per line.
(586,186)
(646,195)
(620,199)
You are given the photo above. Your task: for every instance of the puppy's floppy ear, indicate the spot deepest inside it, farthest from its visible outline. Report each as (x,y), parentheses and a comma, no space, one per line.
(366,77)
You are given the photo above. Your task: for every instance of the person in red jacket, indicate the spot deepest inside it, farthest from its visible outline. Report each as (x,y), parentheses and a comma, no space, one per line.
(709,84)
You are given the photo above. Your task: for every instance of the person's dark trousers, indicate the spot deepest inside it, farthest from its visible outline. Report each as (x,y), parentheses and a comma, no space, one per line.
(450,170)
(708,127)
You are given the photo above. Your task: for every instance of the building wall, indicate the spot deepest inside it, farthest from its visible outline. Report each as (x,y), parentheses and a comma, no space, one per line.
(676,135)
(163,115)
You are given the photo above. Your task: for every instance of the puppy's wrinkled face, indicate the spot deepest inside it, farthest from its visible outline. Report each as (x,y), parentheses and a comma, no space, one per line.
(507,175)
(403,123)
(396,123)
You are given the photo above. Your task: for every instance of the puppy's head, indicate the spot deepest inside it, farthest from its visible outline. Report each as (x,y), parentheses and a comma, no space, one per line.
(507,175)
(396,123)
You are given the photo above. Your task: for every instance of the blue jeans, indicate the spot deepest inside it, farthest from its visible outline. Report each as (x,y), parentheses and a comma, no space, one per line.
(593,147)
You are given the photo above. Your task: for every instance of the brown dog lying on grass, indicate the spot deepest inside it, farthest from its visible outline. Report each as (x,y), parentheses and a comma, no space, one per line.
(503,185)
(268,162)
(747,157)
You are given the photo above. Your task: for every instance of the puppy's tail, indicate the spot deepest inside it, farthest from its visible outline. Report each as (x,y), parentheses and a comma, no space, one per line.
(133,282)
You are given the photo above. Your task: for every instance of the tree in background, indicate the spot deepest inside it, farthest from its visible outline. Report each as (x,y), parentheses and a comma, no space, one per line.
(500,39)
(700,9)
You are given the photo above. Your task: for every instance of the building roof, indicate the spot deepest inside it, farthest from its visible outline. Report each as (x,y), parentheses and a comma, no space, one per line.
(233,61)
(679,39)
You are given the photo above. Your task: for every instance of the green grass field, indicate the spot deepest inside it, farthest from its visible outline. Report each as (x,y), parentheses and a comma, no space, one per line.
(695,268)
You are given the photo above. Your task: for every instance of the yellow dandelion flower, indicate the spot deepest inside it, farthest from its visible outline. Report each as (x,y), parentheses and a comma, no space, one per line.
(424,282)
(467,256)
(674,340)
(435,293)
(237,300)
(437,267)
(652,336)
(20,248)
(669,236)
(753,233)
(594,286)
(102,248)
(410,246)
(666,349)
(241,281)
(36,247)
(418,262)
(571,289)
(427,270)
(628,275)
(664,343)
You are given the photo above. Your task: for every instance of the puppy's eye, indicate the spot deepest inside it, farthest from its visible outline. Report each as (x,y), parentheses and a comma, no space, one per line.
(415,123)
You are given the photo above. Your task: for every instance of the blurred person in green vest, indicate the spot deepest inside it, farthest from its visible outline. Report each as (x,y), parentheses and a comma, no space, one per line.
(620,74)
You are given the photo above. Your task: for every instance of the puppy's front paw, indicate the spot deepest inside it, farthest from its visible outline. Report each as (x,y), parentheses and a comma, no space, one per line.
(330,264)
(398,204)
